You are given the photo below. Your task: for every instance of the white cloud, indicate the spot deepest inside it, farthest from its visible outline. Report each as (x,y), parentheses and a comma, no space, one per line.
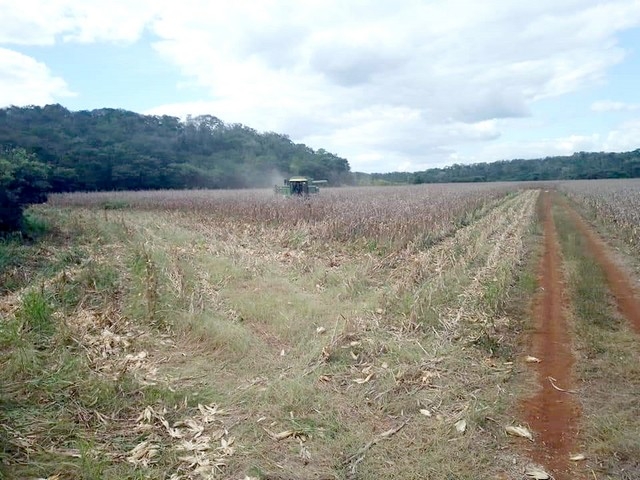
(375,84)
(623,138)
(38,22)
(611,106)
(24,81)
(386,84)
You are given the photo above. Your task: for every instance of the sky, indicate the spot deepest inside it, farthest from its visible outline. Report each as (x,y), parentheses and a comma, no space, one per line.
(390,85)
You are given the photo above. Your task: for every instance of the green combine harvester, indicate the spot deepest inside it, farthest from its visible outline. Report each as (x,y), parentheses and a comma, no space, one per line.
(299,186)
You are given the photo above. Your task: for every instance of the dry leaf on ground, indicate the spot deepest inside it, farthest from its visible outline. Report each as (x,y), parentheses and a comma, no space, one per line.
(519,431)
(537,474)
(282,435)
(363,380)
(461,426)
(143,453)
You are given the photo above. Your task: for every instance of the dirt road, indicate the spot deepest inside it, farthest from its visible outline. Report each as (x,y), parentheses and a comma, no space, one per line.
(551,413)
(554,412)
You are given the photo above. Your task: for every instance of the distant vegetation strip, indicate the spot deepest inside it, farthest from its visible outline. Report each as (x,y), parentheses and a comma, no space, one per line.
(115,149)
(579,166)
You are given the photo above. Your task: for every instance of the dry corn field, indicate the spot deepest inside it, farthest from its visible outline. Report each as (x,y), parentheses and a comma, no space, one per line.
(613,202)
(365,333)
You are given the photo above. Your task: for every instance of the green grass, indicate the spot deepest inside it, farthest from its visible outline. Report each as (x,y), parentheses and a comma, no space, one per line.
(35,316)
(58,415)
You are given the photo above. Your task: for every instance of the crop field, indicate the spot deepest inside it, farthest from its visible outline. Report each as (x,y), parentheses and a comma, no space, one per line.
(614,203)
(394,332)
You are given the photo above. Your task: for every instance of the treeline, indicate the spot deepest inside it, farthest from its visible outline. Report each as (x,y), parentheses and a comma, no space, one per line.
(113,149)
(578,166)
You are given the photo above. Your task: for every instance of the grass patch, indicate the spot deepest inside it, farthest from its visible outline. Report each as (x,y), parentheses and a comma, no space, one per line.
(74,375)
(35,316)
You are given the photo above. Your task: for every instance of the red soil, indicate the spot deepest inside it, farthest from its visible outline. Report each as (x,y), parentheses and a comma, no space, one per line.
(551,413)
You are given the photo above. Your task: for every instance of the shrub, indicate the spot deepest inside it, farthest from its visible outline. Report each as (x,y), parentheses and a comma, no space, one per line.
(23,180)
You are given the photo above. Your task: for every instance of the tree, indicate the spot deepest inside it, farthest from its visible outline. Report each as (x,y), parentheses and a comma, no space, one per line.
(23,180)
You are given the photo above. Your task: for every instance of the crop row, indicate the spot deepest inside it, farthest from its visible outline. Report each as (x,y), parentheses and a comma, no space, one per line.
(386,217)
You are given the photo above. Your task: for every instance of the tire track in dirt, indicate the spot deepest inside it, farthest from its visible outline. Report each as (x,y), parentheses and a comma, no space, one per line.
(618,281)
(552,414)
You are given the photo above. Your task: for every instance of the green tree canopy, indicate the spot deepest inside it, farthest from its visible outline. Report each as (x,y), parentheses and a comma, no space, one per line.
(23,180)
(112,149)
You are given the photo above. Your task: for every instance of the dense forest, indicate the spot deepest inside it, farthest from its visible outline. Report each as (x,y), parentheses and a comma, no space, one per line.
(111,149)
(580,165)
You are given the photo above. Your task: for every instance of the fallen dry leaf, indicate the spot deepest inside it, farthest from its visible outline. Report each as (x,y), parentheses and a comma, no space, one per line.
(195,428)
(173,432)
(195,446)
(281,435)
(218,434)
(225,446)
(209,412)
(553,380)
(537,473)
(146,415)
(363,380)
(142,453)
(519,431)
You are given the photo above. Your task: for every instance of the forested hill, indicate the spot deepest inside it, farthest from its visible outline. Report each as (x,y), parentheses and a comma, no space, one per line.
(112,149)
(582,165)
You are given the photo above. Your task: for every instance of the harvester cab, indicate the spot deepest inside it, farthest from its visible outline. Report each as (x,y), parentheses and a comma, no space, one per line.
(299,186)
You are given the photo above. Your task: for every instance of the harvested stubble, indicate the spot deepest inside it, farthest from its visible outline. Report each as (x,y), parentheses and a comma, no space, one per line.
(293,318)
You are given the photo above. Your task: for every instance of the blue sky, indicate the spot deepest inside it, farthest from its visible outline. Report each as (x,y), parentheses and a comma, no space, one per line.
(116,75)
(387,85)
